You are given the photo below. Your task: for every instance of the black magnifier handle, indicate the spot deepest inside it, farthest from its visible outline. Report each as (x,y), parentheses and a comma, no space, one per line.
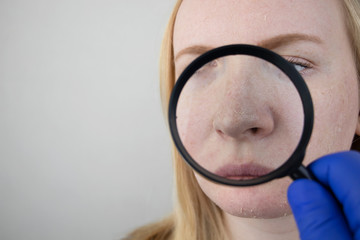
(302,172)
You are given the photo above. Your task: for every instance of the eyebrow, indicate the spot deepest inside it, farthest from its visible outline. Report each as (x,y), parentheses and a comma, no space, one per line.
(271,43)
(194,50)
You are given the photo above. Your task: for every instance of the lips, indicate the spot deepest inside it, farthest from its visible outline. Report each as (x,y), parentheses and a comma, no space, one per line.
(243,171)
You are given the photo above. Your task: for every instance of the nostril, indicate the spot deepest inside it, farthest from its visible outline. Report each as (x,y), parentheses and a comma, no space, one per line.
(258,124)
(254,130)
(219,132)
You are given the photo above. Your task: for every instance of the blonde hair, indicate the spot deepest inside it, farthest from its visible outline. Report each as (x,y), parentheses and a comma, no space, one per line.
(195,216)
(352,18)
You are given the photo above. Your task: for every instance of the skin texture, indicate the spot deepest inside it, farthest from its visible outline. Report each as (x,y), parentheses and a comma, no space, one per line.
(238,106)
(325,61)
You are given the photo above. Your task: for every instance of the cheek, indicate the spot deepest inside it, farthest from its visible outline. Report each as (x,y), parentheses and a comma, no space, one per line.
(336,114)
(194,122)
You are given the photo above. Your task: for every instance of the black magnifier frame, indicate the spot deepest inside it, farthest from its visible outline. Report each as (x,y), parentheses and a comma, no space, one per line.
(293,166)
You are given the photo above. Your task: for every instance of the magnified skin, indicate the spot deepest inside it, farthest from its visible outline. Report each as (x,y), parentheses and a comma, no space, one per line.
(230,104)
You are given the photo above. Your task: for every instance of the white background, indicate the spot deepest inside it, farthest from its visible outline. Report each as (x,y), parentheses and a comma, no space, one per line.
(84,149)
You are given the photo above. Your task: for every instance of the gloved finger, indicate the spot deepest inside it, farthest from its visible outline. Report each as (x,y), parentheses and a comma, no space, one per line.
(341,173)
(317,213)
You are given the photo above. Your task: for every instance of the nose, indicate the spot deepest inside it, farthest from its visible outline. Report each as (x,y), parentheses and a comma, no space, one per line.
(245,108)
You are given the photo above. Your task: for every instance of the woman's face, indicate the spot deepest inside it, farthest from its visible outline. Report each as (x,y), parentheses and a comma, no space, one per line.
(304,33)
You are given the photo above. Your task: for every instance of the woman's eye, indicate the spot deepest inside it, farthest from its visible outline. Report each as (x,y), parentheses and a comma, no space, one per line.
(211,64)
(300,64)
(299,67)
(207,68)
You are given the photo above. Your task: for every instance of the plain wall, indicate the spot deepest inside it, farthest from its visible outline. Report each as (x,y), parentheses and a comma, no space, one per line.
(84,148)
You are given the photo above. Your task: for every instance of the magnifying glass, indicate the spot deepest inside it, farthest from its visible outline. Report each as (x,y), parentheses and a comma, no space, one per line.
(242,115)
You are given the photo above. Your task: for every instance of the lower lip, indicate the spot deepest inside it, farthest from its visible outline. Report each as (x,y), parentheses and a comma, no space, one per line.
(242,172)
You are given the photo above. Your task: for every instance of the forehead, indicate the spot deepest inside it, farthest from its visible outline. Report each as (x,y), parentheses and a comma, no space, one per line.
(220,22)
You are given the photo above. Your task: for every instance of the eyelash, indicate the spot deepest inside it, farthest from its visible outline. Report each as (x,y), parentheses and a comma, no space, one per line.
(300,62)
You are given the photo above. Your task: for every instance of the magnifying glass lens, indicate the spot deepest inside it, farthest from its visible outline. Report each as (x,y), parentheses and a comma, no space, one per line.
(239,117)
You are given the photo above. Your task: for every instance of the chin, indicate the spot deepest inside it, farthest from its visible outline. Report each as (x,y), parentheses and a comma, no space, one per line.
(268,200)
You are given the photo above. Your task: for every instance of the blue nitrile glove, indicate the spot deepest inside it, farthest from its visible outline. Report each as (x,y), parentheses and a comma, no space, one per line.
(329,209)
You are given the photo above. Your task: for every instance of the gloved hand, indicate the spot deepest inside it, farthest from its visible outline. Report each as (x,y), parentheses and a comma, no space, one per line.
(329,209)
